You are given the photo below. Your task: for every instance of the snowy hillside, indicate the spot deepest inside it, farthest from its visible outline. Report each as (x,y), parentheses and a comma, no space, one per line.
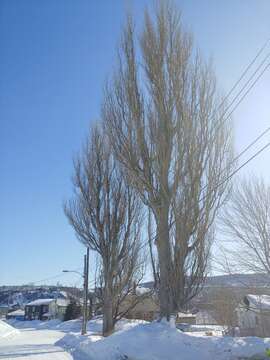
(19,297)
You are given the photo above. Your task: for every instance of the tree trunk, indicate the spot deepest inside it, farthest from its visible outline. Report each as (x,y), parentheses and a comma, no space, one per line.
(164,254)
(108,324)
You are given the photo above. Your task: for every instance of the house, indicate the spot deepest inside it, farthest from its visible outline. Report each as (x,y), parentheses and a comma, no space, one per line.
(140,304)
(146,306)
(46,309)
(185,318)
(16,315)
(254,315)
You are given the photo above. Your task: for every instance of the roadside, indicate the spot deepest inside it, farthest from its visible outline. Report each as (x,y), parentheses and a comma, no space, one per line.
(34,345)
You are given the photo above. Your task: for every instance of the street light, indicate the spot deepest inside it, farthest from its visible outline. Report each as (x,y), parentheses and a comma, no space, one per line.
(85,288)
(73,271)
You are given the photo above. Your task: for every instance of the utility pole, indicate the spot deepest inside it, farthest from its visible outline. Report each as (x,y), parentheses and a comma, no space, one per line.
(85,289)
(87,282)
(85,294)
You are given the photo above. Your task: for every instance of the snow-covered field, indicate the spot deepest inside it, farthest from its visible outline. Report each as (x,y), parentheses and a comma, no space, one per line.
(133,340)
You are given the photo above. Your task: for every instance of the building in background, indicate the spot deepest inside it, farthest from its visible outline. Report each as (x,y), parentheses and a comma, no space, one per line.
(16,315)
(46,309)
(253,314)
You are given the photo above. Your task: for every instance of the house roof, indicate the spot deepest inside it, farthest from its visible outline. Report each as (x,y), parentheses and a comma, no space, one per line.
(41,302)
(18,312)
(141,290)
(261,302)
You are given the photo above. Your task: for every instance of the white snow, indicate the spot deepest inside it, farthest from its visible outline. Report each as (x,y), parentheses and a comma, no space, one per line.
(186,315)
(133,340)
(33,345)
(35,324)
(41,302)
(18,312)
(158,341)
(7,330)
(216,330)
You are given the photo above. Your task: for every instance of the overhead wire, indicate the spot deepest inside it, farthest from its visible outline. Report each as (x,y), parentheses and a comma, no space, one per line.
(260,136)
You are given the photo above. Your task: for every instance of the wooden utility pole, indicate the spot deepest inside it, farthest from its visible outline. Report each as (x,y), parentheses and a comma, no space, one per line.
(86,285)
(85,292)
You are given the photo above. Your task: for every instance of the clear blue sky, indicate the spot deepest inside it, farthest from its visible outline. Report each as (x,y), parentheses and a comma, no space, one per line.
(55,56)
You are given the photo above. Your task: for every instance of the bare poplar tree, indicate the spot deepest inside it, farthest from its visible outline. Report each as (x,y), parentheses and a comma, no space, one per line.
(246,224)
(164,119)
(105,214)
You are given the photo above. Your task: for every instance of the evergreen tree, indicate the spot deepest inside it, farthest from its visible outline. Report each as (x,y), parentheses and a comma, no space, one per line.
(73,311)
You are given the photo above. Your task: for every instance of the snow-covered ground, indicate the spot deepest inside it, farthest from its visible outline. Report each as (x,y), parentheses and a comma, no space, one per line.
(38,340)
(133,340)
(6,330)
(72,326)
(31,344)
(157,341)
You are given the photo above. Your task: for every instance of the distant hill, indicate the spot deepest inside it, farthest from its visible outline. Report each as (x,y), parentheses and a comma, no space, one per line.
(18,296)
(239,280)
(232,280)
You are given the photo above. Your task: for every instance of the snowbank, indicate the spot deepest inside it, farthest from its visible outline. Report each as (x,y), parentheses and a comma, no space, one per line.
(158,341)
(73,339)
(139,340)
(6,330)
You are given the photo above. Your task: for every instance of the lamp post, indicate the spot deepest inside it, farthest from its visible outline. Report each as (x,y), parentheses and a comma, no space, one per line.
(73,271)
(85,289)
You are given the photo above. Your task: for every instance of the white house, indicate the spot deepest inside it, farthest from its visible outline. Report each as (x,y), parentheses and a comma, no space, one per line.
(254,315)
(45,309)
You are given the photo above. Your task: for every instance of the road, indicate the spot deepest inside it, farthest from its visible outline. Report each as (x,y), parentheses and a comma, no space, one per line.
(33,344)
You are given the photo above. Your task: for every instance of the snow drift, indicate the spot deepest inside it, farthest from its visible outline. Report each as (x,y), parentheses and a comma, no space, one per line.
(7,330)
(157,341)
(139,340)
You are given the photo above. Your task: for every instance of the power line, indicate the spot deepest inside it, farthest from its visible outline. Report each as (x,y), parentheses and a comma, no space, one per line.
(238,103)
(52,277)
(251,144)
(228,116)
(223,120)
(221,183)
(238,169)
(246,93)
(47,279)
(244,86)
(248,67)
